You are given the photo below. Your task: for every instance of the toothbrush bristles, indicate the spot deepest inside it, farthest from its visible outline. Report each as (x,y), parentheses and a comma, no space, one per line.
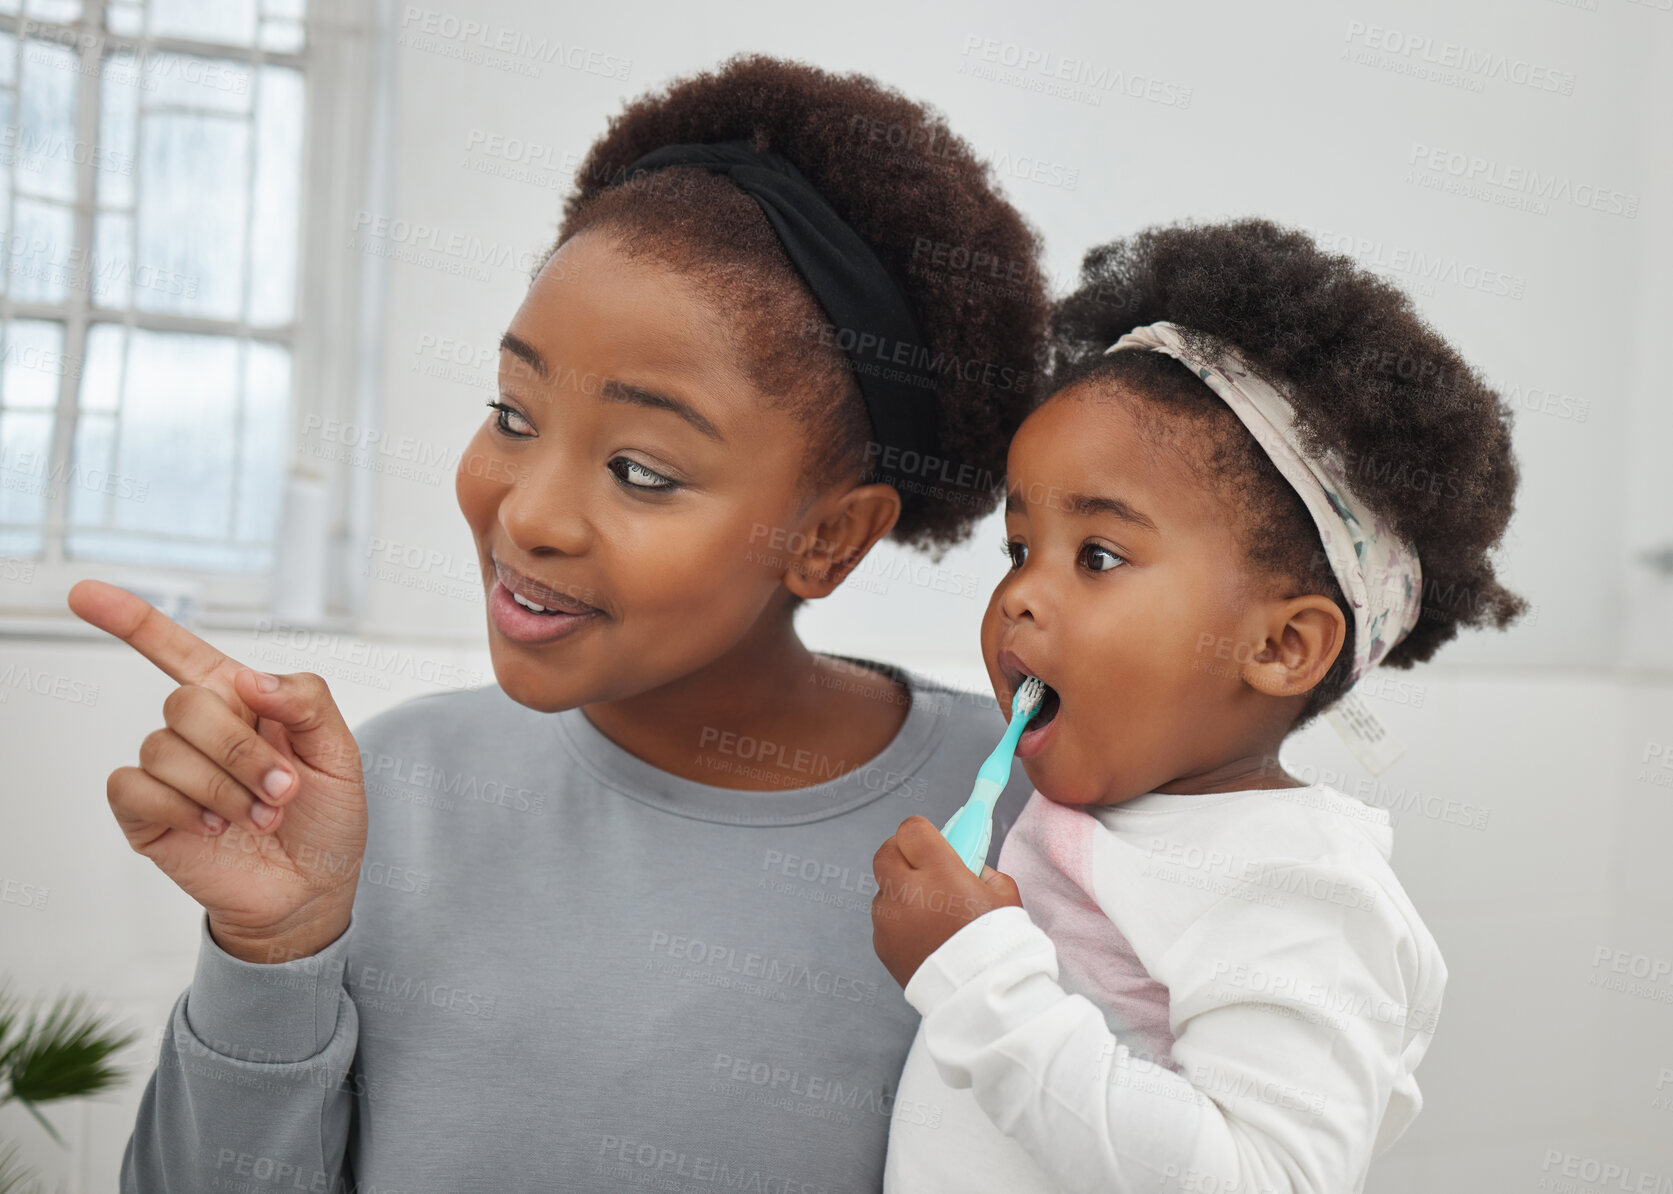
(1029,697)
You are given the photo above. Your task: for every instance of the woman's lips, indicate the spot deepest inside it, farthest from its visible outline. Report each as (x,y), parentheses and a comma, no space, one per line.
(541,594)
(524,626)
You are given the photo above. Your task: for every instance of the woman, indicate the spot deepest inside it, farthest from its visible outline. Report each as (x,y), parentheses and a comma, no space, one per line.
(606,921)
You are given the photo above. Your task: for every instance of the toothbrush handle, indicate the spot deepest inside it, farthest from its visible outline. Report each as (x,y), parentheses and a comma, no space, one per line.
(970,830)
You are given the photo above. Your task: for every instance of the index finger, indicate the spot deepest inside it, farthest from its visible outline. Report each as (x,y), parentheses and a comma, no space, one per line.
(921,843)
(183,656)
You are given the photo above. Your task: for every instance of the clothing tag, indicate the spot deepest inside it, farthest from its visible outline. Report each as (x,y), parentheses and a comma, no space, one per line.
(1372,743)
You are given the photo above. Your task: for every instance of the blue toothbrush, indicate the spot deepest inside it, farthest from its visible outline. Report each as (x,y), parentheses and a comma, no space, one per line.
(970,829)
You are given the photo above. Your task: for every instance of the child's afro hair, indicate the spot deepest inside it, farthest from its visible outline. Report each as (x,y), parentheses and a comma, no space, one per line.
(1425,441)
(918,195)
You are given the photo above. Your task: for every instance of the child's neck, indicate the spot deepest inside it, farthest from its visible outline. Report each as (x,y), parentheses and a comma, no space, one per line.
(1245,760)
(1241,774)
(767,715)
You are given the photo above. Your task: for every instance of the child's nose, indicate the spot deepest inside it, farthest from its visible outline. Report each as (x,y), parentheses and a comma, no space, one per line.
(1026,596)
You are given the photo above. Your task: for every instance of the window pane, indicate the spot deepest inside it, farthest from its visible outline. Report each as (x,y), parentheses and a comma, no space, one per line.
(25,464)
(101,373)
(6,159)
(125,18)
(87,497)
(125,548)
(117,105)
(21,543)
(185,80)
(284,36)
(266,452)
(40,252)
(277,181)
(34,361)
(55,10)
(46,149)
(189,255)
(177,415)
(293,9)
(206,20)
(8,60)
(113,260)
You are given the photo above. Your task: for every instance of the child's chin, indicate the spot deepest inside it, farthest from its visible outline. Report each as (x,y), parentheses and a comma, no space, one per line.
(1058,788)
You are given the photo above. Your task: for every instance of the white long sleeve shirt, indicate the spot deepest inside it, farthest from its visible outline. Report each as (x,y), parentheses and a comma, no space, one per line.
(1202,994)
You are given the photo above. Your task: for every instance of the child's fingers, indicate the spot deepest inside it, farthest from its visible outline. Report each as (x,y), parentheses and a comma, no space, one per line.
(921,842)
(1001,885)
(889,867)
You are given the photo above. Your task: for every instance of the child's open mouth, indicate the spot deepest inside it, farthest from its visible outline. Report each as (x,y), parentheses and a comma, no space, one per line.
(1040,726)
(1048,707)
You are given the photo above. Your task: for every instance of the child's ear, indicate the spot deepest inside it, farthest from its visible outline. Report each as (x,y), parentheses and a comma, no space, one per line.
(849,528)
(1302,638)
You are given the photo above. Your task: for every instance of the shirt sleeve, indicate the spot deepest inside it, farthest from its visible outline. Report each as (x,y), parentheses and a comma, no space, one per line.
(1291,1030)
(252,1079)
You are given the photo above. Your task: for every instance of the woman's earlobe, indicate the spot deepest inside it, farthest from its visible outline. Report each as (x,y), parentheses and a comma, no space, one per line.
(836,546)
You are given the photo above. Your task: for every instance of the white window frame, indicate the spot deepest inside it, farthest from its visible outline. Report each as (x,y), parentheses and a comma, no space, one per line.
(346,63)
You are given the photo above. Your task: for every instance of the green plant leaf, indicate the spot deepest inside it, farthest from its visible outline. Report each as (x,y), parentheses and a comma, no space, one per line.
(65,1054)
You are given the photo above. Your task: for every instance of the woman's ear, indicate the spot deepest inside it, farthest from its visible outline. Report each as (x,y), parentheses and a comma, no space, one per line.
(1302,638)
(846,532)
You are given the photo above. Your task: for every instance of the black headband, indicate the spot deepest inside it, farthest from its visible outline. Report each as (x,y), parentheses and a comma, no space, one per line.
(872,320)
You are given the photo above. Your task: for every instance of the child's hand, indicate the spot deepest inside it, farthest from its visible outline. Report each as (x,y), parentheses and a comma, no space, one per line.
(925,894)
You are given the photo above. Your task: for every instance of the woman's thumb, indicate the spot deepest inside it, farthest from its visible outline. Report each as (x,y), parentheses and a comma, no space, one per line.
(302,703)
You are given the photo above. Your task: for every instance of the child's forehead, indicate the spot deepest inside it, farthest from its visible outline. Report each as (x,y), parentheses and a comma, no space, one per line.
(1097,440)
(1086,429)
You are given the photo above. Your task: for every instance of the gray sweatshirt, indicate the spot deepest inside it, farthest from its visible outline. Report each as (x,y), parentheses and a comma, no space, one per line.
(568,970)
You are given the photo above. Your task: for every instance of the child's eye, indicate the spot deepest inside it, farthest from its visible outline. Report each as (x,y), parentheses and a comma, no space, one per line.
(1097,558)
(636,476)
(507,412)
(1015,550)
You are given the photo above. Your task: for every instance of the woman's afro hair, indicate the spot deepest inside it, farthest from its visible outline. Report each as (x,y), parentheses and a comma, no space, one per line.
(1424,440)
(918,195)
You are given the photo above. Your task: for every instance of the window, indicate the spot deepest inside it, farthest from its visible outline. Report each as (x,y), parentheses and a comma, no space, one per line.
(161,164)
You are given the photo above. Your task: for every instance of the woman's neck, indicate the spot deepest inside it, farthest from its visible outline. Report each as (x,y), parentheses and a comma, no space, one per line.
(767,715)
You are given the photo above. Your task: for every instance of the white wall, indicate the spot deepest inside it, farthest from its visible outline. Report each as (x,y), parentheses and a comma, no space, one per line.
(1291,115)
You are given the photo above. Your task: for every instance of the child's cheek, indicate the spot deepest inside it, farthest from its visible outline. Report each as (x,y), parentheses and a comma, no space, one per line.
(990,639)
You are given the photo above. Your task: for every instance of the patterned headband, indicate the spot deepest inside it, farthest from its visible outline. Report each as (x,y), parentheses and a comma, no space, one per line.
(1378,571)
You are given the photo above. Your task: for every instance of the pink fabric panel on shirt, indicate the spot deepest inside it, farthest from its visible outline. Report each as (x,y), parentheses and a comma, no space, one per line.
(1049,854)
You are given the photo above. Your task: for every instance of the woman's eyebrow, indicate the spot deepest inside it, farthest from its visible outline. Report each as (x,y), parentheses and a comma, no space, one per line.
(621,391)
(616,391)
(524,351)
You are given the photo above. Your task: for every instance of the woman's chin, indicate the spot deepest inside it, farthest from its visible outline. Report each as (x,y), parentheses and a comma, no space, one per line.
(532,685)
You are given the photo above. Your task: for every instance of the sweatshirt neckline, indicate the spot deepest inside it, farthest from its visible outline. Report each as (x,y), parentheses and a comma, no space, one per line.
(1318,795)
(887,771)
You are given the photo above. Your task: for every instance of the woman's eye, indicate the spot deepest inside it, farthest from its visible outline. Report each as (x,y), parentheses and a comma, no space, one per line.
(636,476)
(1095,558)
(1015,550)
(506,412)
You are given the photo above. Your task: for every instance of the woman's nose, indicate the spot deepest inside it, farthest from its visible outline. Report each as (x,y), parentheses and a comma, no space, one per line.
(544,510)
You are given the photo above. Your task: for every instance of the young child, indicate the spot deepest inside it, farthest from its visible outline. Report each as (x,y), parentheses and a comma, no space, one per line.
(1259,475)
